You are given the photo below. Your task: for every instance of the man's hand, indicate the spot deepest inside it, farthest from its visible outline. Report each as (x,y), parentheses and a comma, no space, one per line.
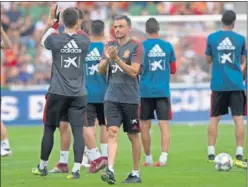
(113,53)
(52,26)
(106,51)
(52,14)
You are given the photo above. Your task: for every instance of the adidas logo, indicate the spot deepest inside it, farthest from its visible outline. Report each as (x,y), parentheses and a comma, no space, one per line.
(226,44)
(93,55)
(156,51)
(71,47)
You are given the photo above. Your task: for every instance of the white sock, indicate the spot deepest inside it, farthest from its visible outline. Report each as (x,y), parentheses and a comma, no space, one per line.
(211,150)
(5,144)
(104,150)
(135,173)
(94,154)
(163,158)
(86,149)
(43,164)
(85,160)
(76,167)
(239,150)
(149,159)
(111,168)
(64,157)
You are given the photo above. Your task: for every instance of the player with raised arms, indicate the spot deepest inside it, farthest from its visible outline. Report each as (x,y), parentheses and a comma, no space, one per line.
(67,91)
(64,127)
(96,86)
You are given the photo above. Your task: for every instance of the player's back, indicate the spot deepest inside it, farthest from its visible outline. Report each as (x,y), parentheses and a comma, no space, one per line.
(155,76)
(69,52)
(226,49)
(95,82)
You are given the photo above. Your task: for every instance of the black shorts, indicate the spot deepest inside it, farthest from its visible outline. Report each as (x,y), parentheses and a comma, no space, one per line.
(94,111)
(161,105)
(122,113)
(58,106)
(220,101)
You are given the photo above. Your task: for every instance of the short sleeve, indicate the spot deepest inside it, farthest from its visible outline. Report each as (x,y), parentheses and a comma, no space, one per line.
(172,55)
(49,42)
(137,55)
(244,50)
(208,51)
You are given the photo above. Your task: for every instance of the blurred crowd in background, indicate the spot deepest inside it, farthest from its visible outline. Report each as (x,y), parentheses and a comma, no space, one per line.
(29,64)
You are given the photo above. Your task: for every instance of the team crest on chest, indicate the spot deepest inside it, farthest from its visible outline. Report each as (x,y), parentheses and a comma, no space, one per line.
(126,53)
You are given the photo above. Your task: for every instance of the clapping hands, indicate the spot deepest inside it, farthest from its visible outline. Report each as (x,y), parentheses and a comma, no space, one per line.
(111,52)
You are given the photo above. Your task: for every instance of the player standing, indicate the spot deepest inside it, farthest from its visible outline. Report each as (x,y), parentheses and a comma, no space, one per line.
(122,59)
(226,52)
(159,63)
(96,87)
(67,92)
(243,163)
(64,129)
(5,146)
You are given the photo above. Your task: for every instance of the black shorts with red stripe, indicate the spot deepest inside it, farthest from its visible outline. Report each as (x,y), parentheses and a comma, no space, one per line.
(221,101)
(122,113)
(57,106)
(162,106)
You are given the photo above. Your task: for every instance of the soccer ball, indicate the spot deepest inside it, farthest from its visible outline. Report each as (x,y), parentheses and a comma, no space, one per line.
(223,162)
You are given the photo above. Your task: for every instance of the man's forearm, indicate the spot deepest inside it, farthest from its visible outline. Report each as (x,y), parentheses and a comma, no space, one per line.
(209,59)
(131,71)
(102,67)
(243,63)
(6,40)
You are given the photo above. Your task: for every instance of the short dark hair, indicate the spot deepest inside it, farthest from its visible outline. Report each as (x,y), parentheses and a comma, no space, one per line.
(80,13)
(70,17)
(128,20)
(86,26)
(97,27)
(228,17)
(152,26)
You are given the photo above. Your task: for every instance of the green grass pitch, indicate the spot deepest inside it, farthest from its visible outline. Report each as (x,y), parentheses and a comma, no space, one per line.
(187,166)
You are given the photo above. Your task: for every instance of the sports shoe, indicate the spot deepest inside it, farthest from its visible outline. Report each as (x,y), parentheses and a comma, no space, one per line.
(147,164)
(38,171)
(132,179)
(60,168)
(98,164)
(5,152)
(158,164)
(211,158)
(240,164)
(74,175)
(239,157)
(108,177)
